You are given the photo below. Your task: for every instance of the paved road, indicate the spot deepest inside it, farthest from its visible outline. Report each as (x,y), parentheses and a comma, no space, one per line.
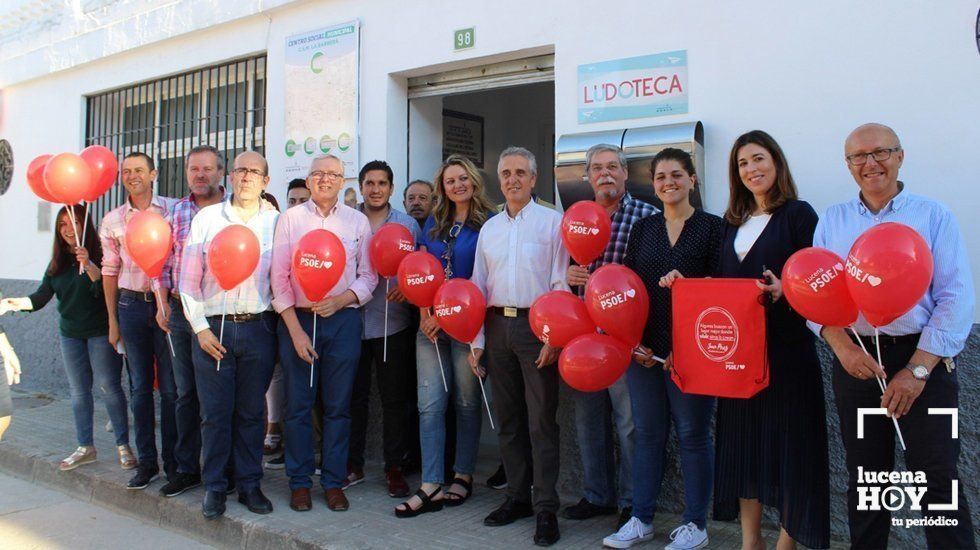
(33,517)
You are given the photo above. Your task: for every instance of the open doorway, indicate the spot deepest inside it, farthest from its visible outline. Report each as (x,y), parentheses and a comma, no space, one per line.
(481,123)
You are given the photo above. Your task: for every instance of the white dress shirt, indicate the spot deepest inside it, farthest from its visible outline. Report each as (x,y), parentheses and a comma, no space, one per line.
(519,258)
(199,290)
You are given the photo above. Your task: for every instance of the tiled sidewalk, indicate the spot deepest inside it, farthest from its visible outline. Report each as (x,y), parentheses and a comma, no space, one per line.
(42,434)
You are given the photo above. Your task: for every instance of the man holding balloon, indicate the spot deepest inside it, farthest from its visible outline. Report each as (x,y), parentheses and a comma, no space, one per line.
(321,275)
(922,303)
(519,257)
(225,286)
(132,308)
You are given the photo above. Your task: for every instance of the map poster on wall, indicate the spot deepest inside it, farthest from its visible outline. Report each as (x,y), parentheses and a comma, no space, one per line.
(462,134)
(635,87)
(321,91)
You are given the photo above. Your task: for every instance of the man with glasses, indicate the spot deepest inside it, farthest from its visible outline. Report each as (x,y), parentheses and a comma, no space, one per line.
(232,373)
(918,349)
(393,366)
(606,169)
(338,334)
(519,257)
(133,330)
(205,170)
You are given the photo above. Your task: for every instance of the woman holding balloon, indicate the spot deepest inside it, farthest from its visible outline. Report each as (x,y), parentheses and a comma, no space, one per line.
(449,234)
(685,239)
(88,356)
(772,448)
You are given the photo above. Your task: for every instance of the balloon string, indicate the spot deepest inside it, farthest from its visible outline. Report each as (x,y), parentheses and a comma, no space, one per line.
(170,338)
(881,383)
(439,357)
(85,224)
(384,356)
(74,224)
(894,420)
(313,362)
(221,332)
(484,392)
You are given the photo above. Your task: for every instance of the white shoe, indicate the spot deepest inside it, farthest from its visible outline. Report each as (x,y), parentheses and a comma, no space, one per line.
(632,532)
(687,537)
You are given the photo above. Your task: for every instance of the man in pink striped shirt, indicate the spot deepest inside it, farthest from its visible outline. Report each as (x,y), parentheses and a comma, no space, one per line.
(338,334)
(132,310)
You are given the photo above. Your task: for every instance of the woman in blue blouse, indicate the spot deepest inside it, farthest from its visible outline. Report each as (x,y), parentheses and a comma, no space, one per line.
(450,234)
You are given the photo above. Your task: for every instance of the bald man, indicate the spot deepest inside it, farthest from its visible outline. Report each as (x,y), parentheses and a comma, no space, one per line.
(917,350)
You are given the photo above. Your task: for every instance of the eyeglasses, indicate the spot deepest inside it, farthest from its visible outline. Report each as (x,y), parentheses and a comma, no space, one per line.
(242,172)
(880,155)
(320,174)
(598,168)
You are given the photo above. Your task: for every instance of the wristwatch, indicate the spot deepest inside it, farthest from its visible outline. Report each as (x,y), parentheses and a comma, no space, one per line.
(919,372)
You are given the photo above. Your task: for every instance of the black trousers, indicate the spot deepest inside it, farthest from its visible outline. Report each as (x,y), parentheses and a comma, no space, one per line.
(396,380)
(928,438)
(525,402)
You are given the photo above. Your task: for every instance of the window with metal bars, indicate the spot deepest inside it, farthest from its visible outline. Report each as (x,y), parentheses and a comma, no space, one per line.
(222,106)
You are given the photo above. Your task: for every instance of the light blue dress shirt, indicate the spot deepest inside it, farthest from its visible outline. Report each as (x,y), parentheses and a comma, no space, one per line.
(944,315)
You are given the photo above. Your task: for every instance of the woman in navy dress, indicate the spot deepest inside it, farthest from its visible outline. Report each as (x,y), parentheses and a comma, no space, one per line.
(771,449)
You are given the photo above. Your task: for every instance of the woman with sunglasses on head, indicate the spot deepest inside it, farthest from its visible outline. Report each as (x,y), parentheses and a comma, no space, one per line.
(449,234)
(89,357)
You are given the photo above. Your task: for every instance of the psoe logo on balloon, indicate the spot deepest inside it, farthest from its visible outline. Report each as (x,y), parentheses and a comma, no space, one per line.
(822,276)
(579,228)
(613,298)
(310,260)
(716,333)
(446,311)
(406,246)
(859,275)
(416,279)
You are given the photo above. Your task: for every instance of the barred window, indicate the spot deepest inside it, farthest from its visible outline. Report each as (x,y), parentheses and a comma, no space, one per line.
(223,106)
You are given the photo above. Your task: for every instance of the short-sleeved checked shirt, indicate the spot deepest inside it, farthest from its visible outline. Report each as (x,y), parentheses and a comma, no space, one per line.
(116,261)
(629,212)
(180,227)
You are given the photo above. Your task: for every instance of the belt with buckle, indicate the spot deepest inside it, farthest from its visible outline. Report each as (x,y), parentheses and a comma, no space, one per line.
(508,311)
(887,340)
(239,317)
(304,310)
(145,296)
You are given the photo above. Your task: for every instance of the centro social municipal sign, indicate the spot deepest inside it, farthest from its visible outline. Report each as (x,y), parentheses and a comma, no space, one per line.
(636,87)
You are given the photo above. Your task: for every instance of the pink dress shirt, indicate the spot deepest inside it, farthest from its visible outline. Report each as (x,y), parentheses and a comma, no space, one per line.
(116,261)
(350,226)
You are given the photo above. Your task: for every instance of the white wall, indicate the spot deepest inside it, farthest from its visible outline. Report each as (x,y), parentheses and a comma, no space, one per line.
(806,73)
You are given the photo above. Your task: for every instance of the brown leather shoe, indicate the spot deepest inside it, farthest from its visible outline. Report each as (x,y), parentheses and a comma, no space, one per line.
(397,486)
(336,500)
(300,500)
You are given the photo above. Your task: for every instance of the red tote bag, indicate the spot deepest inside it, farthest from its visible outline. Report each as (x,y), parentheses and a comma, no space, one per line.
(719,336)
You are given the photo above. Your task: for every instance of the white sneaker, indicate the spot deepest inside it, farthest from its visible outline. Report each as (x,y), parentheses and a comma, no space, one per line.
(632,532)
(687,537)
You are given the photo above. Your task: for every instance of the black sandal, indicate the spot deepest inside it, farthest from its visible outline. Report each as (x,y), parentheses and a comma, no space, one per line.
(428,505)
(457,498)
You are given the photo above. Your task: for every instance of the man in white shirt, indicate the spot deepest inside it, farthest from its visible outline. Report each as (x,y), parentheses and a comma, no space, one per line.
(232,397)
(519,257)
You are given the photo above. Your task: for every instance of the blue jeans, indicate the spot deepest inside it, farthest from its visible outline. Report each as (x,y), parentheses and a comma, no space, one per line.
(145,342)
(232,400)
(338,344)
(656,400)
(433,398)
(94,360)
(187,411)
(595,443)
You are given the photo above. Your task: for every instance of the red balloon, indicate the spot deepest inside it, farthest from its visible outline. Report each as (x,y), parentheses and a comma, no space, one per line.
(814,283)
(889,268)
(67,178)
(559,316)
(104,167)
(318,263)
(233,255)
(459,307)
(148,242)
(585,230)
(419,277)
(618,302)
(35,178)
(389,245)
(593,362)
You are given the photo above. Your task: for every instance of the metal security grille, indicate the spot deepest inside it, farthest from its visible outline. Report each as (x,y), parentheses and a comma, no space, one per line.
(223,106)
